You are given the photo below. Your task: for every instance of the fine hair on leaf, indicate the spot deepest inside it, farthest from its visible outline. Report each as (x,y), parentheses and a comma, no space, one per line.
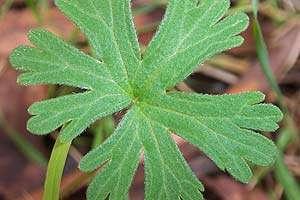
(117,77)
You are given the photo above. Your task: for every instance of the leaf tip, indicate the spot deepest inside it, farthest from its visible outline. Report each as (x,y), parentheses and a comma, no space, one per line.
(32,127)
(238,41)
(13,56)
(23,79)
(244,18)
(83,166)
(279,114)
(33,110)
(35,34)
(257,97)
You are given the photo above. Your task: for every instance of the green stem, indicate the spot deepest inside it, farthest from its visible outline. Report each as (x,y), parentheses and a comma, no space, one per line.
(55,170)
(22,144)
(263,57)
(103,129)
(5,8)
(284,177)
(282,173)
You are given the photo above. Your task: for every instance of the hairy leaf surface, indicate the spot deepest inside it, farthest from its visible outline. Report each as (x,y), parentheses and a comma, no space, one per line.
(116,77)
(222,126)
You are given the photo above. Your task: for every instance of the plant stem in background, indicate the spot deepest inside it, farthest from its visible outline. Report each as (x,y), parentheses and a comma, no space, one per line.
(285,178)
(102,130)
(5,7)
(38,7)
(263,55)
(282,173)
(55,170)
(22,144)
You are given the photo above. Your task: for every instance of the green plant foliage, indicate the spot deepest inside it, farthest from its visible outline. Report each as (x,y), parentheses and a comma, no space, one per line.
(117,77)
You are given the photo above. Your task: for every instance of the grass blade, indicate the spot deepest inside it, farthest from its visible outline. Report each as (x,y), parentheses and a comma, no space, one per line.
(263,54)
(22,144)
(284,177)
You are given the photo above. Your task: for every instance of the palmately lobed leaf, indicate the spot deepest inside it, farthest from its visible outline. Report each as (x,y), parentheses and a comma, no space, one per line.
(190,33)
(117,77)
(53,61)
(222,126)
(137,132)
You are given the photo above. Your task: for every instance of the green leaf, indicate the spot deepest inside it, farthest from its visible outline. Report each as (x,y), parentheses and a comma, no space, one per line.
(55,170)
(55,62)
(117,77)
(190,33)
(108,26)
(120,154)
(222,126)
(80,110)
